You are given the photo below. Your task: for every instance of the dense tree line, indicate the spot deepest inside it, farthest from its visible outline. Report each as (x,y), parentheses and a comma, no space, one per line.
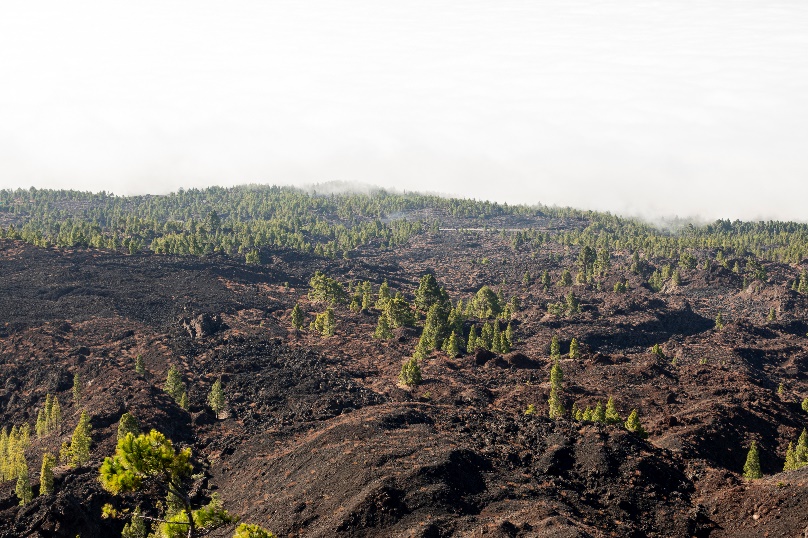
(240,220)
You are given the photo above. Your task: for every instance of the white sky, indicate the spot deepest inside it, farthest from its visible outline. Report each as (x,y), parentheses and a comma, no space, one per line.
(653,107)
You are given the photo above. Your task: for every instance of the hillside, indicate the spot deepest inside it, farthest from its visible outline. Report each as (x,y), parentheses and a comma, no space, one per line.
(318,436)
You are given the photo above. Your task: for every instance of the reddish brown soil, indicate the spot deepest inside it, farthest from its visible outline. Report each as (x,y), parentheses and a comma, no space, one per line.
(319,440)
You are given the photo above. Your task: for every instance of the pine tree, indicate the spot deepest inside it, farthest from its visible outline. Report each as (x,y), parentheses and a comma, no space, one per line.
(23,488)
(46,474)
(545,280)
(556,375)
(599,414)
(216,397)
(504,344)
(55,417)
(140,365)
(452,345)
(719,321)
(496,340)
(632,424)
(791,458)
(174,386)
(751,468)
(509,335)
(296,317)
(424,347)
(566,279)
(383,331)
(471,345)
(556,408)
(574,349)
(772,315)
(410,374)
(611,415)
(136,528)
(805,405)
(41,427)
(801,451)
(555,348)
(128,424)
(384,296)
(64,453)
(184,400)
(80,442)
(78,389)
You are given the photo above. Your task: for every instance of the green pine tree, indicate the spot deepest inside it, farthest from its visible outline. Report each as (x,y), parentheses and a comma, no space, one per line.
(451,345)
(751,469)
(599,415)
(719,321)
(555,348)
(216,397)
(471,345)
(184,400)
(81,441)
(556,375)
(556,407)
(611,414)
(574,353)
(46,474)
(136,528)
(410,374)
(55,417)
(632,424)
(296,317)
(23,488)
(383,331)
(140,365)
(805,405)
(128,424)
(174,385)
(791,459)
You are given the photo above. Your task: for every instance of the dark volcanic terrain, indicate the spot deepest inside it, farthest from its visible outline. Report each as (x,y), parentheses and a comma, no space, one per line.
(319,438)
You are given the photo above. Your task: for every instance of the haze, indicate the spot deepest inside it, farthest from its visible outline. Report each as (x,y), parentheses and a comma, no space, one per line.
(652,108)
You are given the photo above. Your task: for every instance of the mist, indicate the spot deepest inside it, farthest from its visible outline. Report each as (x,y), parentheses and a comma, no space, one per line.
(653,109)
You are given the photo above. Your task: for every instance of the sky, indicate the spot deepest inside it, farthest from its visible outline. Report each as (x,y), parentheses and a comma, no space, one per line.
(652,108)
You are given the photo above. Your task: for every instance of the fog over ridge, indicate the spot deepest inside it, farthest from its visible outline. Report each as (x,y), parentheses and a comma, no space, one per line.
(651,109)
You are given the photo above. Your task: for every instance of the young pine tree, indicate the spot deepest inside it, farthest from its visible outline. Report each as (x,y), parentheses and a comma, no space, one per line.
(555,348)
(46,474)
(451,345)
(611,414)
(410,374)
(78,389)
(128,424)
(136,528)
(632,424)
(719,322)
(81,441)
(471,345)
(296,317)
(55,416)
(751,469)
(599,414)
(23,487)
(216,397)
(140,365)
(556,407)
(574,353)
(174,386)
(383,330)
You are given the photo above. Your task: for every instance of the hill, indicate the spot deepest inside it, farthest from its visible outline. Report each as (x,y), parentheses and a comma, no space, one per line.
(318,436)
